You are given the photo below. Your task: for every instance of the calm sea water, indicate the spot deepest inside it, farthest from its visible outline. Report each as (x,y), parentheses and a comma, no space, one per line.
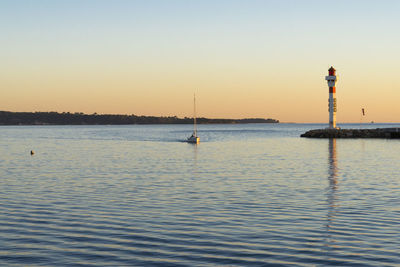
(247,195)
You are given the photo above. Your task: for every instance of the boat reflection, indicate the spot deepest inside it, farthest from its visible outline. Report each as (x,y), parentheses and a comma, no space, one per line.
(195,148)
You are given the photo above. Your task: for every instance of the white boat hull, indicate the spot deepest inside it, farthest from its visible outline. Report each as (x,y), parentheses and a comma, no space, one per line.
(193,140)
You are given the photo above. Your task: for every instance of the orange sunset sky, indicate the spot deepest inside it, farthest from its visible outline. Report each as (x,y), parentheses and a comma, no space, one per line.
(242,58)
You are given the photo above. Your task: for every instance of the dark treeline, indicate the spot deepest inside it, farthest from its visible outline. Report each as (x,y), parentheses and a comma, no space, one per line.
(66,118)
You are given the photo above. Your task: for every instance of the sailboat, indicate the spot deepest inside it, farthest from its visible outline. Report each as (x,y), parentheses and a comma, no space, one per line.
(194,139)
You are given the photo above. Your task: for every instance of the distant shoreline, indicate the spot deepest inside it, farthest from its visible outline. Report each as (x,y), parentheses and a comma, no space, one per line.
(78,118)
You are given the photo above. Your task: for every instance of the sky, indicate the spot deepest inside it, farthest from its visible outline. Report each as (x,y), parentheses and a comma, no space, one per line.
(242,58)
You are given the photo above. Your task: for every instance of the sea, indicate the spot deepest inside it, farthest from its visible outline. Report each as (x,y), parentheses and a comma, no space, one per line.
(247,195)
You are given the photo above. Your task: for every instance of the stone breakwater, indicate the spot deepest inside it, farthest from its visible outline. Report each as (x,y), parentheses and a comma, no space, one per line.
(389,133)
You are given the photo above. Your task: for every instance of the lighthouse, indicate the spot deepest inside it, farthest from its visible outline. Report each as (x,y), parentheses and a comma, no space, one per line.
(331,79)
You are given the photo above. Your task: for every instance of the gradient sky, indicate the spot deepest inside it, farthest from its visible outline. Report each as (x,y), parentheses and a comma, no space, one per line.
(242,58)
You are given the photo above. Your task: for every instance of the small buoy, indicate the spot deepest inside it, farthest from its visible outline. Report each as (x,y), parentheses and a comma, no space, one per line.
(32,152)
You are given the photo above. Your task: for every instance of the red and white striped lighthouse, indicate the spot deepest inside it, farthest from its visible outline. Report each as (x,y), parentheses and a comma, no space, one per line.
(332,97)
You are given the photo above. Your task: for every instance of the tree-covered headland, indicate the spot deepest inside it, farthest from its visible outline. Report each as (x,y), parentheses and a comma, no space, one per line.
(67,118)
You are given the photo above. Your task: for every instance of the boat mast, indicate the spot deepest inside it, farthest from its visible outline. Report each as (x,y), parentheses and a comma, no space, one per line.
(194,115)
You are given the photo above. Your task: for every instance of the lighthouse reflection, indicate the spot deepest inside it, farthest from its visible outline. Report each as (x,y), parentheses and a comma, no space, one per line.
(332,172)
(331,191)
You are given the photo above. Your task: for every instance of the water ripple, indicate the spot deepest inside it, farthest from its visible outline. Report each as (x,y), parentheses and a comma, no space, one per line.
(261,197)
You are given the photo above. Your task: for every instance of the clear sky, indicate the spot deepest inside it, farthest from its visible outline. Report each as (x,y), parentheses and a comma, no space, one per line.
(243,58)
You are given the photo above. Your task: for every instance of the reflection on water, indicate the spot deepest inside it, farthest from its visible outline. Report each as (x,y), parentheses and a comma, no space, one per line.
(195,148)
(195,152)
(333,168)
(331,192)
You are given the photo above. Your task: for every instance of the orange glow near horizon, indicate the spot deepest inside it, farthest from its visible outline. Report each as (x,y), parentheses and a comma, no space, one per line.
(232,94)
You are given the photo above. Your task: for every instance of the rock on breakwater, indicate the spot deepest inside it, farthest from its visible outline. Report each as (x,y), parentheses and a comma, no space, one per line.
(389,133)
